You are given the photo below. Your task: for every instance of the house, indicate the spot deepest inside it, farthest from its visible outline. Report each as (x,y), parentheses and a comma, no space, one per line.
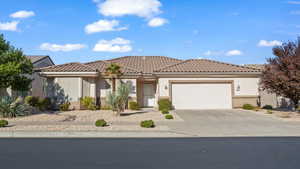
(267,98)
(189,84)
(37,88)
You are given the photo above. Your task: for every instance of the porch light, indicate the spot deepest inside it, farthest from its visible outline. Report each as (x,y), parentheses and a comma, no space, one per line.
(238,88)
(166,87)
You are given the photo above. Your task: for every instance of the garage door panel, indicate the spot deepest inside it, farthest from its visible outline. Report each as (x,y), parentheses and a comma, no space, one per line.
(202,96)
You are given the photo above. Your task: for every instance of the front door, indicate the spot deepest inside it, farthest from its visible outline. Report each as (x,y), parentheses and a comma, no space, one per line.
(149,95)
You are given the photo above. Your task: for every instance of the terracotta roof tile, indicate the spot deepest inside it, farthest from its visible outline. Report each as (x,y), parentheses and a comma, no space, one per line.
(204,65)
(69,67)
(102,65)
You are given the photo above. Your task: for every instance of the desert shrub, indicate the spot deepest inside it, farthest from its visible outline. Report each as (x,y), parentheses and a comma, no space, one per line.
(13,108)
(164,104)
(268,107)
(105,107)
(169,117)
(133,105)
(165,111)
(147,124)
(100,123)
(44,104)
(248,107)
(3,123)
(65,106)
(269,112)
(119,100)
(88,103)
(32,101)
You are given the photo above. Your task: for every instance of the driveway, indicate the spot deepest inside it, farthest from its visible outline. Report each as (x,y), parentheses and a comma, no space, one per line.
(214,123)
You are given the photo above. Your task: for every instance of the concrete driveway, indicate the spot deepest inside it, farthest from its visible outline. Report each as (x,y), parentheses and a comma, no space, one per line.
(215,123)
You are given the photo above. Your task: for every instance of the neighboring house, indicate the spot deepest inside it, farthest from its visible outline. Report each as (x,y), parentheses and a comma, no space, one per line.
(267,98)
(189,84)
(37,88)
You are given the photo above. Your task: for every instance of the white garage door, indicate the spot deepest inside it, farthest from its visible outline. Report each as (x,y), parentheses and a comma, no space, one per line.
(202,96)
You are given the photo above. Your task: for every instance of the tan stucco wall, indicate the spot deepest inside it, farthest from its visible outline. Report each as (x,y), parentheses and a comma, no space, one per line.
(70,87)
(238,102)
(248,86)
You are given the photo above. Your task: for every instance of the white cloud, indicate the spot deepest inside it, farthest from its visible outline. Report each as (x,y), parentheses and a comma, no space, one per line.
(9,26)
(295,12)
(103,26)
(294,2)
(212,53)
(234,53)
(156,22)
(22,14)
(115,45)
(264,43)
(63,48)
(141,8)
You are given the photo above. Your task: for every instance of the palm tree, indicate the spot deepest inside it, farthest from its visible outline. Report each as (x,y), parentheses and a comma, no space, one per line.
(113,71)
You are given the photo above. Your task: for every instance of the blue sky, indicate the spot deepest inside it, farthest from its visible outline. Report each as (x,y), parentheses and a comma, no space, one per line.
(235,31)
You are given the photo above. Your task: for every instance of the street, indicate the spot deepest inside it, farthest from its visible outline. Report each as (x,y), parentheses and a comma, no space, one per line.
(153,153)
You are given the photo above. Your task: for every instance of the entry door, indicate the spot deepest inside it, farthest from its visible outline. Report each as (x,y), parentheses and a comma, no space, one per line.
(149,95)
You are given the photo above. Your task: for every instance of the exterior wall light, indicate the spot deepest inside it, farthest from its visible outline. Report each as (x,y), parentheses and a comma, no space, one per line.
(238,88)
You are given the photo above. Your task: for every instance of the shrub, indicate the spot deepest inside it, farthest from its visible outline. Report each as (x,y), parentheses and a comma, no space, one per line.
(13,108)
(164,104)
(64,106)
(100,123)
(248,107)
(32,101)
(105,107)
(44,104)
(269,112)
(3,123)
(88,103)
(133,105)
(147,124)
(169,117)
(268,107)
(165,111)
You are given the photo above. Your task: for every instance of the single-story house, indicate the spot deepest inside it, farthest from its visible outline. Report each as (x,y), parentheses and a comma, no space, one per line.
(37,83)
(189,84)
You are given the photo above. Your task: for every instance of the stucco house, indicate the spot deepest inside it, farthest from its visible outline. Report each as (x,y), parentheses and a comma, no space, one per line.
(37,89)
(189,84)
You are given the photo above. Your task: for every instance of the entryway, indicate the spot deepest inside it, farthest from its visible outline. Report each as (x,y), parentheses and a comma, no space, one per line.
(148,95)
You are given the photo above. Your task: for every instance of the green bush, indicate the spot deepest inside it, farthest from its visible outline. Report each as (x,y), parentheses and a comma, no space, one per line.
(44,104)
(64,106)
(88,103)
(147,124)
(32,101)
(100,123)
(164,104)
(13,108)
(248,107)
(268,107)
(165,111)
(269,112)
(105,107)
(133,105)
(169,117)
(3,123)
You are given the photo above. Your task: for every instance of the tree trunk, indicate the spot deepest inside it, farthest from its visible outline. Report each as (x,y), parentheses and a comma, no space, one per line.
(113,84)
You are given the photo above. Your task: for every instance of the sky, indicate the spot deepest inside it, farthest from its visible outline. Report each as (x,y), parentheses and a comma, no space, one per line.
(233,31)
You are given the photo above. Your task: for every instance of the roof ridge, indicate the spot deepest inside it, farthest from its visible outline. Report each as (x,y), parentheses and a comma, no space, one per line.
(125,67)
(70,63)
(230,64)
(175,64)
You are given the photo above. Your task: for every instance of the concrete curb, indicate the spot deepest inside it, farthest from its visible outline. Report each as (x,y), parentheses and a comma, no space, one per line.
(89,134)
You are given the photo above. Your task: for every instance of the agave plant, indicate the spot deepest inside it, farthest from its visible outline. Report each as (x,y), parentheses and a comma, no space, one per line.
(13,108)
(118,101)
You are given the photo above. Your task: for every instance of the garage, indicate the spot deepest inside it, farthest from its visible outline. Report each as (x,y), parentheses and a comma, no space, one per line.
(188,96)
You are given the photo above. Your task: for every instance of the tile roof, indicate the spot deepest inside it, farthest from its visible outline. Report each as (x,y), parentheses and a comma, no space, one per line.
(145,64)
(36,58)
(69,67)
(205,65)
(256,66)
(102,65)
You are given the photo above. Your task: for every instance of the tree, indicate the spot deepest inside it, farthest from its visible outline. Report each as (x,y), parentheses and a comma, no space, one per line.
(15,68)
(282,73)
(113,71)
(119,100)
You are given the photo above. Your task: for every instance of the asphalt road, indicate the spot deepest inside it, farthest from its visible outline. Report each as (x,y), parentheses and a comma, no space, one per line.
(181,153)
